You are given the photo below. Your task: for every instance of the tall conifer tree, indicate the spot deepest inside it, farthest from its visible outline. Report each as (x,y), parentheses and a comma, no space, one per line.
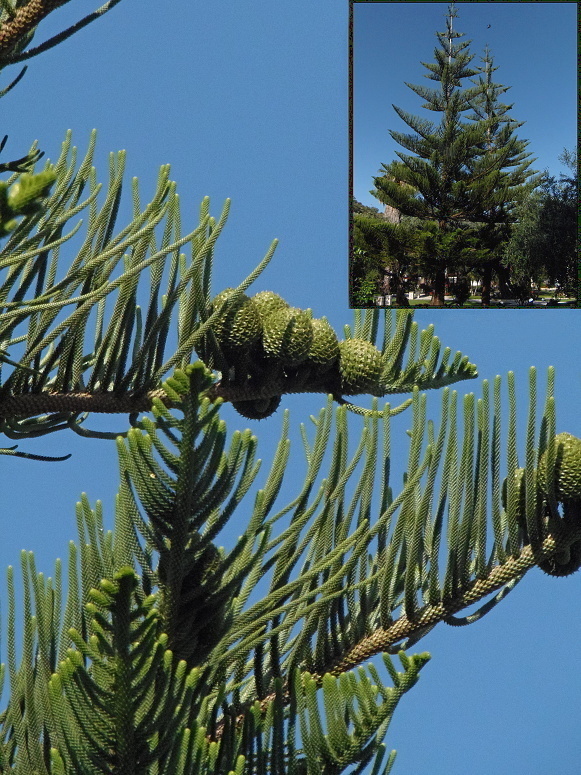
(458,177)
(515,184)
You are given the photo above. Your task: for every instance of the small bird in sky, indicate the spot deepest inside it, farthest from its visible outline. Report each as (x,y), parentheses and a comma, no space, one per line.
(488,27)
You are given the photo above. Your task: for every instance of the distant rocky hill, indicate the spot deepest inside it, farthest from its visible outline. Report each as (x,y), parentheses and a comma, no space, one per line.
(391,214)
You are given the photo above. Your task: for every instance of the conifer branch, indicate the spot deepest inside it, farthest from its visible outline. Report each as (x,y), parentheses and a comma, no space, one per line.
(25,20)
(385,640)
(33,404)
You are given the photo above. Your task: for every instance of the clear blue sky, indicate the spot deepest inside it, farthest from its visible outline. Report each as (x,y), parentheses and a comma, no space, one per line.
(250,102)
(533,45)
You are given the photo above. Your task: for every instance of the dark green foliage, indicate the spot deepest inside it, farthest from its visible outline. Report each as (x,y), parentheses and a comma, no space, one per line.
(523,253)
(457,248)
(543,242)
(363,293)
(378,246)
(107,716)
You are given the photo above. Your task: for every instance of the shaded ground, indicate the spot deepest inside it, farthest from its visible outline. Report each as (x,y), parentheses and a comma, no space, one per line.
(541,301)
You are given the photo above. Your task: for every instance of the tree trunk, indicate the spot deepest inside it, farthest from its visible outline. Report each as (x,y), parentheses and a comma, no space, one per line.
(439,288)
(401,298)
(396,287)
(503,273)
(486,280)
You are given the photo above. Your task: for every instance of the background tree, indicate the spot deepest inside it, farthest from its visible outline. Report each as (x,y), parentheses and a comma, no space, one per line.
(541,245)
(558,225)
(387,250)
(523,253)
(366,259)
(515,183)
(457,174)
(435,248)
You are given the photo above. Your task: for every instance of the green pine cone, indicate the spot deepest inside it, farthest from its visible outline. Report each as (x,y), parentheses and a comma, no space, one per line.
(268,302)
(287,336)
(360,366)
(324,349)
(239,325)
(567,468)
(258,408)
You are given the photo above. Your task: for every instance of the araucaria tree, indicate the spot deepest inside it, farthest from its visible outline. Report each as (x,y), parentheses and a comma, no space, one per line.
(458,171)
(158,656)
(515,184)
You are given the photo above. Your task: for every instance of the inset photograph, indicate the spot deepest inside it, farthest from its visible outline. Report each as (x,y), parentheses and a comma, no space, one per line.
(464,155)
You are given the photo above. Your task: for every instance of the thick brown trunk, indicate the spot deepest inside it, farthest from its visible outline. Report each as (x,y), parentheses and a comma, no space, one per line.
(503,273)
(439,280)
(486,280)
(395,285)
(401,298)
(439,289)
